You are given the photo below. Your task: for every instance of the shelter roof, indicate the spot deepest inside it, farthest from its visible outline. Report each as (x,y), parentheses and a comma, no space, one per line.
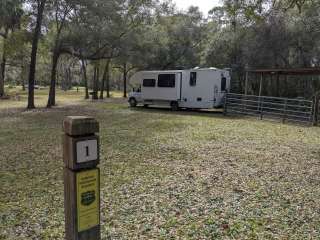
(287,71)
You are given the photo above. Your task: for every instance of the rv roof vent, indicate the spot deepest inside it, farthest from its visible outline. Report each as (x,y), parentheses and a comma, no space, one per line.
(196,68)
(213,68)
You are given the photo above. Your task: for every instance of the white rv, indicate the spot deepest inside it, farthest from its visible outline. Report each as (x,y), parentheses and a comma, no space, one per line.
(196,88)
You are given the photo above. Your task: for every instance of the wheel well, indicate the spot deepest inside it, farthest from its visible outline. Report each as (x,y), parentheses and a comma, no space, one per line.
(173,103)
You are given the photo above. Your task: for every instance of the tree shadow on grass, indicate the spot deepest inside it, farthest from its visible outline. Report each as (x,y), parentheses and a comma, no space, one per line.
(218,113)
(183,112)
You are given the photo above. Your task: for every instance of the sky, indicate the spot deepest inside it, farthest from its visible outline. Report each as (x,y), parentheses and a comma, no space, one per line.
(204,5)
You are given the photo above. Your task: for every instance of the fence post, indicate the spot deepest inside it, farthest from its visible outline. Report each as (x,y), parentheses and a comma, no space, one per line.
(246,84)
(315,110)
(261,108)
(225,104)
(284,111)
(260,84)
(81,178)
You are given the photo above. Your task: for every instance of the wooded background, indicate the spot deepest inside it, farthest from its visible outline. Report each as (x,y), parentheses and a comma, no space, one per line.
(98,44)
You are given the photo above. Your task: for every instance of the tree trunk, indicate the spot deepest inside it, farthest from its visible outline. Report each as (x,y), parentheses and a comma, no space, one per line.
(108,82)
(104,78)
(102,83)
(52,91)
(84,69)
(3,65)
(2,74)
(95,83)
(125,80)
(68,79)
(22,76)
(34,50)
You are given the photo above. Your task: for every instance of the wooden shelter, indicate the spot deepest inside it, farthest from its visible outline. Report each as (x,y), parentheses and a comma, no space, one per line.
(278,72)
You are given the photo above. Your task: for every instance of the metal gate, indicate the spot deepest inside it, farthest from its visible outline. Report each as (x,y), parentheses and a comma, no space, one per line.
(285,109)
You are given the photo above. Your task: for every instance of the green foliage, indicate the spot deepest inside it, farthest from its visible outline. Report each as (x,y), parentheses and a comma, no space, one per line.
(10,14)
(265,34)
(147,34)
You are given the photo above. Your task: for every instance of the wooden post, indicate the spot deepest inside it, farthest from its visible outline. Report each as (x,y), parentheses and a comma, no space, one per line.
(245,92)
(81,178)
(278,85)
(260,92)
(225,104)
(261,108)
(246,84)
(260,85)
(316,100)
(284,116)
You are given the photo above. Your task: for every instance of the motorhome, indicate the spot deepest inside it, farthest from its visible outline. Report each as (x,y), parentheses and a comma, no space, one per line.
(200,88)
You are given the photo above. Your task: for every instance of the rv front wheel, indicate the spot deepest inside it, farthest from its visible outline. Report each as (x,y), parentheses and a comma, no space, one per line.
(132,102)
(174,106)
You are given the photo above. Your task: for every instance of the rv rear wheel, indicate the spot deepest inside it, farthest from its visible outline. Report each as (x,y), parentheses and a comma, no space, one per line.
(132,102)
(174,106)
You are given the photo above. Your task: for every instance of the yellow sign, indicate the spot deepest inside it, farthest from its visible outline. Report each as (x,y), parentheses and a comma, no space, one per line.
(88,199)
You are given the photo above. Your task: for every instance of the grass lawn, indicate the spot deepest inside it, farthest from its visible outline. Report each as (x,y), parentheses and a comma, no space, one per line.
(164,175)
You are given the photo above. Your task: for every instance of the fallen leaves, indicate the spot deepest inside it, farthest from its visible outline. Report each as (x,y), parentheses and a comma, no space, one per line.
(165,175)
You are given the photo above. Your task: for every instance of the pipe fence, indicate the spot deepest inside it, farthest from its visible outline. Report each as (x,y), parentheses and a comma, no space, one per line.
(284,109)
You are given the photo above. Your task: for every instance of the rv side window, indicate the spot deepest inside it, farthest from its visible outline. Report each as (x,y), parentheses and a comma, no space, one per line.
(223,84)
(193,79)
(149,82)
(167,80)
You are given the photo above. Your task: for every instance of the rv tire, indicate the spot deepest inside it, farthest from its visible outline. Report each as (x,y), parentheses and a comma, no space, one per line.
(174,106)
(132,102)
